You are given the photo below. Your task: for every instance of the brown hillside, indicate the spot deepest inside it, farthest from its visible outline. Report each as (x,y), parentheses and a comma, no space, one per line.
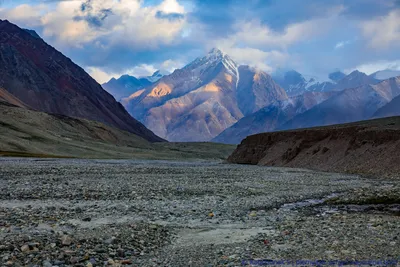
(368,147)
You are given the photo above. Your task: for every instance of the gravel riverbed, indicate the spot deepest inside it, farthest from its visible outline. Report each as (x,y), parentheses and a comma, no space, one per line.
(68,212)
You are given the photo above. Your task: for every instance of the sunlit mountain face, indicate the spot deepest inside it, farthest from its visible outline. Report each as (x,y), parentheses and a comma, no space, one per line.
(203,98)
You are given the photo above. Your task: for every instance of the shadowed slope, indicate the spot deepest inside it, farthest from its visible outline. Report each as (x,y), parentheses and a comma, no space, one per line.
(46,80)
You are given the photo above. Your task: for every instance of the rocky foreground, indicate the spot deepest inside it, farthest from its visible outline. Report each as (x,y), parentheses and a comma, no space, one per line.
(367,147)
(65,212)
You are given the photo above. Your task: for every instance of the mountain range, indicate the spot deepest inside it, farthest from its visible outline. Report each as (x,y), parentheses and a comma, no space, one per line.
(349,105)
(319,109)
(211,98)
(33,74)
(202,99)
(214,98)
(271,117)
(296,84)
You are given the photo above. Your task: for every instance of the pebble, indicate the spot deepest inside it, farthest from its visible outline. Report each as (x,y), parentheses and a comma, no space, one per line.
(66,240)
(46,263)
(25,248)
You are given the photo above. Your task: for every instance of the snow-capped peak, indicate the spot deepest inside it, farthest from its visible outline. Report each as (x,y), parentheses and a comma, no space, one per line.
(214,57)
(215,52)
(156,76)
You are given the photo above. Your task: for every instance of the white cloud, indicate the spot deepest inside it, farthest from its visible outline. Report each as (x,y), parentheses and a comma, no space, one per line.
(256,44)
(99,75)
(372,67)
(171,6)
(24,14)
(266,61)
(383,32)
(123,22)
(102,76)
(255,34)
(141,70)
(342,44)
(170,65)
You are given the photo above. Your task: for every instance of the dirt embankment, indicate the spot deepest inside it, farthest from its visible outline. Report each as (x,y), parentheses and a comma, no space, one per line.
(368,148)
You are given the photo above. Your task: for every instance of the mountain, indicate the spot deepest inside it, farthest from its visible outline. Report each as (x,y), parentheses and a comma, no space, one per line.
(389,110)
(392,108)
(296,84)
(124,86)
(271,117)
(353,104)
(202,99)
(33,33)
(355,79)
(44,79)
(385,74)
(155,77)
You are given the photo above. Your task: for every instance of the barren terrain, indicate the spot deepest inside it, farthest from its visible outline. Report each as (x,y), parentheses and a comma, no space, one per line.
(366,147)
(71,212)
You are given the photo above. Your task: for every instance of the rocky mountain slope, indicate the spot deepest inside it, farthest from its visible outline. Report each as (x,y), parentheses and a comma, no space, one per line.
(349,105)
(369,147)
(390,109)
(355,79)
(44,79)
(7,98)
(199,101)
(271,117)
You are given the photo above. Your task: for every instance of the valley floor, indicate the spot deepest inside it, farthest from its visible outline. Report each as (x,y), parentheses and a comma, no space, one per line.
(71,212)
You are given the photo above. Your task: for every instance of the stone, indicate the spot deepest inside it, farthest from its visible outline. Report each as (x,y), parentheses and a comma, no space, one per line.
(110,241)
(74,260)
(66,240)
(25,248)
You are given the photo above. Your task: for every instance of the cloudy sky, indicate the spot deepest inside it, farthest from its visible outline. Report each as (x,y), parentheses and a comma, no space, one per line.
(112,37)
